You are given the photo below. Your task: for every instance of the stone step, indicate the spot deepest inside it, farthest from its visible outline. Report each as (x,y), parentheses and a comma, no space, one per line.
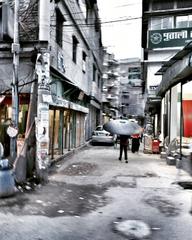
(170,160)
(163,154)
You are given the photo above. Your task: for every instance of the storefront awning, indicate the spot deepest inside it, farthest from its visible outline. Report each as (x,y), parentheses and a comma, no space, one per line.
(153,105)
(177,69)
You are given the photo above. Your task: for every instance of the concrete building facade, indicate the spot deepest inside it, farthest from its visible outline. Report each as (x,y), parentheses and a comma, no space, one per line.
(165,30)
(110,88)
(131,95)
(60,71)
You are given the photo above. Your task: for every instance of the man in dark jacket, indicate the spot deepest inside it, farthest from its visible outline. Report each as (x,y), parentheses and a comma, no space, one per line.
(124,141)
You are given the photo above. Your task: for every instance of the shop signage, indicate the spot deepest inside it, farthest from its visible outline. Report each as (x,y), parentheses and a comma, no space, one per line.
(153,88)
(60,102)
(79,108)
(47,98)
(177,37)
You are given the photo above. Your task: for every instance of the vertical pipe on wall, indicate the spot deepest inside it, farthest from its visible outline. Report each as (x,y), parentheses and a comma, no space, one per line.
(181,121)
(162,116)
(53,135)
(169,128)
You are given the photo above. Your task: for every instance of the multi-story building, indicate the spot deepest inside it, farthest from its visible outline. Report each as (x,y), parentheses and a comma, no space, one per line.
(131,97)
(165,30)
(60,62)
(110,96)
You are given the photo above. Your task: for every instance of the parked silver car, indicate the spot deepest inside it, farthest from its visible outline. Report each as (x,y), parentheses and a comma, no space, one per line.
(99,135)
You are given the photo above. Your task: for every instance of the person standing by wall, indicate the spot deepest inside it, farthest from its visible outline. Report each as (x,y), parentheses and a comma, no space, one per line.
(124,142)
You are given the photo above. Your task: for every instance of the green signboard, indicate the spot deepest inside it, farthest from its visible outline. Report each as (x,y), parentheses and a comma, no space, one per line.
(177,37)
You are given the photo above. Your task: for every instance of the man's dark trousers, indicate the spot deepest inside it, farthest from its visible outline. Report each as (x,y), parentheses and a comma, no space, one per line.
(123,148)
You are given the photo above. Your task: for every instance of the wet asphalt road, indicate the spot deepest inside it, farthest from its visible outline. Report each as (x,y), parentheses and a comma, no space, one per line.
(91,191)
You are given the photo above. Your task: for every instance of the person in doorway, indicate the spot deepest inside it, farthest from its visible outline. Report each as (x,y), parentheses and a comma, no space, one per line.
(135,143)
(124,142)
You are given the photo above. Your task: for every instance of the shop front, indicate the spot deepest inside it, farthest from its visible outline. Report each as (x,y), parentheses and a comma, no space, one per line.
(66,127)
(6,116)
(176,92)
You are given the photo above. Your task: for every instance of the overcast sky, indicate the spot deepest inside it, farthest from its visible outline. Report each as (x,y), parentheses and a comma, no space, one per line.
(120,35)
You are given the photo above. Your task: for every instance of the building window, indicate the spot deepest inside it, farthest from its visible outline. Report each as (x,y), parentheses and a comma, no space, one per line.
(183,21)
(97,25)
(162,5)
(59,28)
(99,81)
(84,56)
(94,73)
(134,70)
(134,76)
(158,23)
(84,8)
(74,50)
(126,96)
(184,4)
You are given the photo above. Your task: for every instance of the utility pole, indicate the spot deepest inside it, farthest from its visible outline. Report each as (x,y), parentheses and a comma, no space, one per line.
(43,93)
(15,97)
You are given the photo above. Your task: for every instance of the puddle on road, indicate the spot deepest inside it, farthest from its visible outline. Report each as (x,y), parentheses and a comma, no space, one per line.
(56,199)
(165,206)
(62,199)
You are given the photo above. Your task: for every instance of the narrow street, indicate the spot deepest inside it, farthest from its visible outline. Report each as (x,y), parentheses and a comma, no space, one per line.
(90,193)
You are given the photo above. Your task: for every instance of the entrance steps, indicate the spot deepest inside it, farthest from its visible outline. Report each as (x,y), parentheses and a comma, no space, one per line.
(170,160)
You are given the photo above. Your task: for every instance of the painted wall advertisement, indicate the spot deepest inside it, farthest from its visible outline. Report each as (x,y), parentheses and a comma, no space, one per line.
(42,120)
